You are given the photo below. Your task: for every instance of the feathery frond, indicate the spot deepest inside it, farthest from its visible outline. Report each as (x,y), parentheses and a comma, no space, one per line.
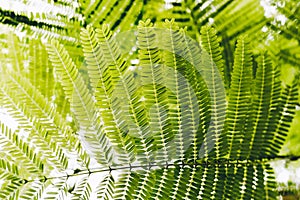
(82,190)
(239,100)
(149,113)
(81,102)
(106,187)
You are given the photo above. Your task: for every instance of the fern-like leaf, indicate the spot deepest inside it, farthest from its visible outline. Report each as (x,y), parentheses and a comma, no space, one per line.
(261,105)
(191,53)
(106,188)
(210,43)
(83,190)
(285,112)
(239,99)
(184,107)
(81,101)
(215,139)
(57,190)
(8,170)
(100,52)
(33,190)
(20,152)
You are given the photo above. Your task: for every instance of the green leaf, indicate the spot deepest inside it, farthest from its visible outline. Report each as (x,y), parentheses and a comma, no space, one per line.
(106,187)
(215,144)
(104,65)
(281,121)
(239,100)
(82,189)
(20,152)
(81,102)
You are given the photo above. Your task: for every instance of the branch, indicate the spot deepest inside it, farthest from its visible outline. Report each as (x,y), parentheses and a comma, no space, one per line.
(220,163)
